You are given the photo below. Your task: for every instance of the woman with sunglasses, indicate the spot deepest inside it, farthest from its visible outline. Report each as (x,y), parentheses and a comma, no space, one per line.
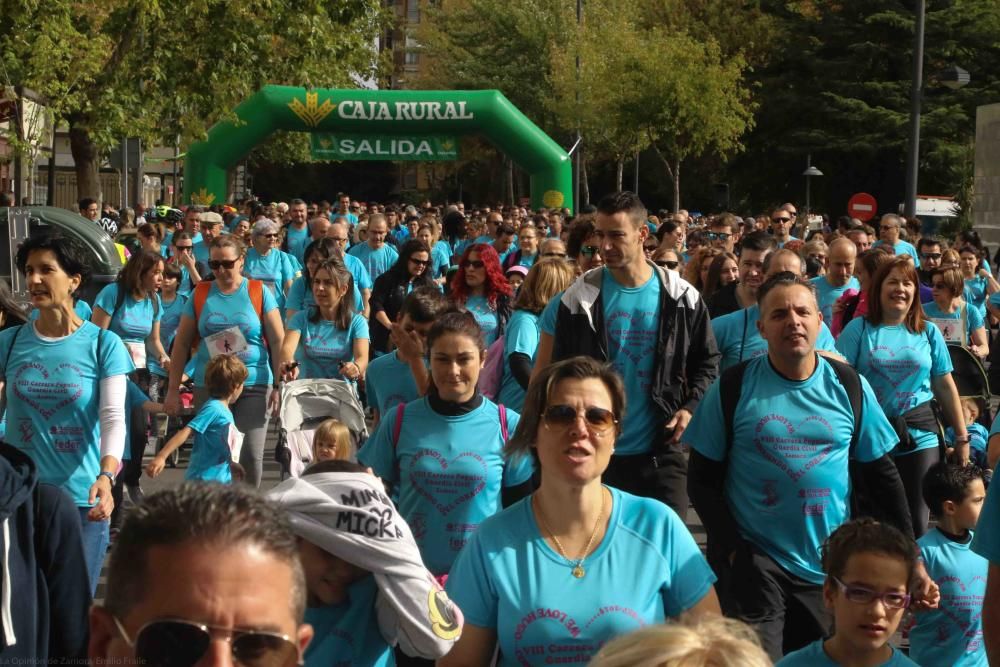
(548,277)
(329,339)
(562,572)
(583,247)
(238,317)
(267,263)
(959,323)
(182,255)
(906,361)
(300,296)
(411,270)
(443,453)
(481,288)
(668,259)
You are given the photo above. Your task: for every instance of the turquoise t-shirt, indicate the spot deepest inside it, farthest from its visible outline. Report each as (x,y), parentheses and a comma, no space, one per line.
(274,270)
(986,541)
(202,252)
(976,287)
(508,579)
(376,262)
(389,382)
(946,322)
(362,279)
(899,365)
(952,634)
(788,486)
(53,401)
(814,656)
(738,338)
(210,456)
(134,320)
(440,259)
(224,311)
(81,308)
(297,240)
(448,471)
(300,297)
(485,316)
(903,248)
(827,295)
(979,437)
(347,634)
(527,261)
(323,345)
(169,321)
(521,336)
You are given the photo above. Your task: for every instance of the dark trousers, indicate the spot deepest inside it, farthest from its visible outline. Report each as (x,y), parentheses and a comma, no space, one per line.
(912,469)
(786,611)
(664,478)
(403,660)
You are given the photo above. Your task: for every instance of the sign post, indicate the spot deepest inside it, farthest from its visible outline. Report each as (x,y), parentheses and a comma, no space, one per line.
(862,206)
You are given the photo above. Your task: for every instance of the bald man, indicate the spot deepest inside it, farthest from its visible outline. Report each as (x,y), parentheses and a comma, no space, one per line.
(839,276)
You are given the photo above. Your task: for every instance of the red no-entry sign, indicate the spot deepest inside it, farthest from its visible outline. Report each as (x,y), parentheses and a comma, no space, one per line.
(862,206)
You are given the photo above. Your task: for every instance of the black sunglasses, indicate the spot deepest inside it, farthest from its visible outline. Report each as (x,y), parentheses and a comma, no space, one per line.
(717,236)
(179,643)
(216,264)
(563,416)
(781,219)
(931,255)
(670,265)
(184,247)
(473,264)
(589,250)
(420,262)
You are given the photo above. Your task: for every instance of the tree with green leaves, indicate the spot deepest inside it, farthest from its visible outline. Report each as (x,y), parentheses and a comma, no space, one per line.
(166,70)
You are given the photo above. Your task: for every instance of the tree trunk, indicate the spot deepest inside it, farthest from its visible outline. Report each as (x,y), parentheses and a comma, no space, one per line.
(85,157)
(619,168)
(510,182)
(677,185)
(584,184)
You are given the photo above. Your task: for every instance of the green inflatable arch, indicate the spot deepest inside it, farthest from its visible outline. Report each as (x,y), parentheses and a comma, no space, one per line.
(385,113)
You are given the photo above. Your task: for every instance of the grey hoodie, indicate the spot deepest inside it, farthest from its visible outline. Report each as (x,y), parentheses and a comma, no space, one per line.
(350,516)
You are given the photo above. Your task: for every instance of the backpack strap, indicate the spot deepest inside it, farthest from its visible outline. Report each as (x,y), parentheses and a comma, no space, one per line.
(851,381)
(17,332)
(255,289)
(199,297)
(730,389)
(743,340)
(503,421)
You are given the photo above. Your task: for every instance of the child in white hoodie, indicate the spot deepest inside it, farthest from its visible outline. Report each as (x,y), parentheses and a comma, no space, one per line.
(368,589)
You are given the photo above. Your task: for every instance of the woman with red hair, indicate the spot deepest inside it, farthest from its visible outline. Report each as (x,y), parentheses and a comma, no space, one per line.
(481,288)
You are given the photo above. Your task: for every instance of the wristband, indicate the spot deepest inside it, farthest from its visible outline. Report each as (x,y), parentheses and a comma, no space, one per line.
(105,473)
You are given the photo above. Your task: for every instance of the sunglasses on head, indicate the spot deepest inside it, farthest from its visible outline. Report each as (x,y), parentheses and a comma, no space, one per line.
(564,416)
(473,264)
(179,643)
(717,236)
(216,264)
(672,265)
(589,250)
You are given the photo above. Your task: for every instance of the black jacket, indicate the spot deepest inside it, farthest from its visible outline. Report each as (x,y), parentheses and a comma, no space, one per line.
(42,566)
(687,357)
(388,293)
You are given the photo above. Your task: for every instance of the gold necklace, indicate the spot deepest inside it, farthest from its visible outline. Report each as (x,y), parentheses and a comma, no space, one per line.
(578,571)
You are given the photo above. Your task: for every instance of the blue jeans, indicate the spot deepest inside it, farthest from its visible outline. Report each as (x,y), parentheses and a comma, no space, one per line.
(95,546)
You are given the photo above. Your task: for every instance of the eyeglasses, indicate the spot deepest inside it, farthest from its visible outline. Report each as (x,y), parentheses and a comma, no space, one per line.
(270,236)
(473,264)
(420,262)
(339,239)
(939,286)
(650,248)
(598,420)
(931,255)
(184,247)
(717,236)
(216,264)
(668,264)
(781,219)
(862,595)
(554,254)
(179,643)
(589,250)
(886,228)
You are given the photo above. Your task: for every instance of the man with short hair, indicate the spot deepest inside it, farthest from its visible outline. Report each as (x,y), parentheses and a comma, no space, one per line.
(338,232)
(211,223)
(202,574)
(889,227)
(504,243)
(839,276)
(929,249)
(319,227)
(781,226)
(860,238)
(90,209)
(376,255)
(297,229)
(722,232)
(771,482)
(653,328)
(754,249)
(344,210)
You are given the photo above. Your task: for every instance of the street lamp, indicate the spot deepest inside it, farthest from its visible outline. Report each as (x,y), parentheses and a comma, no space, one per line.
(809,173)
(953,77)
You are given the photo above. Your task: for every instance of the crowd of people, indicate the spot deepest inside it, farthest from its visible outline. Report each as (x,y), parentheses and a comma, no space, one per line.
(548,396)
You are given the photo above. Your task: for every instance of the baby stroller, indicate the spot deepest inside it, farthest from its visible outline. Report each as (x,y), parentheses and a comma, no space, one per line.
(305,404)
(972,382)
